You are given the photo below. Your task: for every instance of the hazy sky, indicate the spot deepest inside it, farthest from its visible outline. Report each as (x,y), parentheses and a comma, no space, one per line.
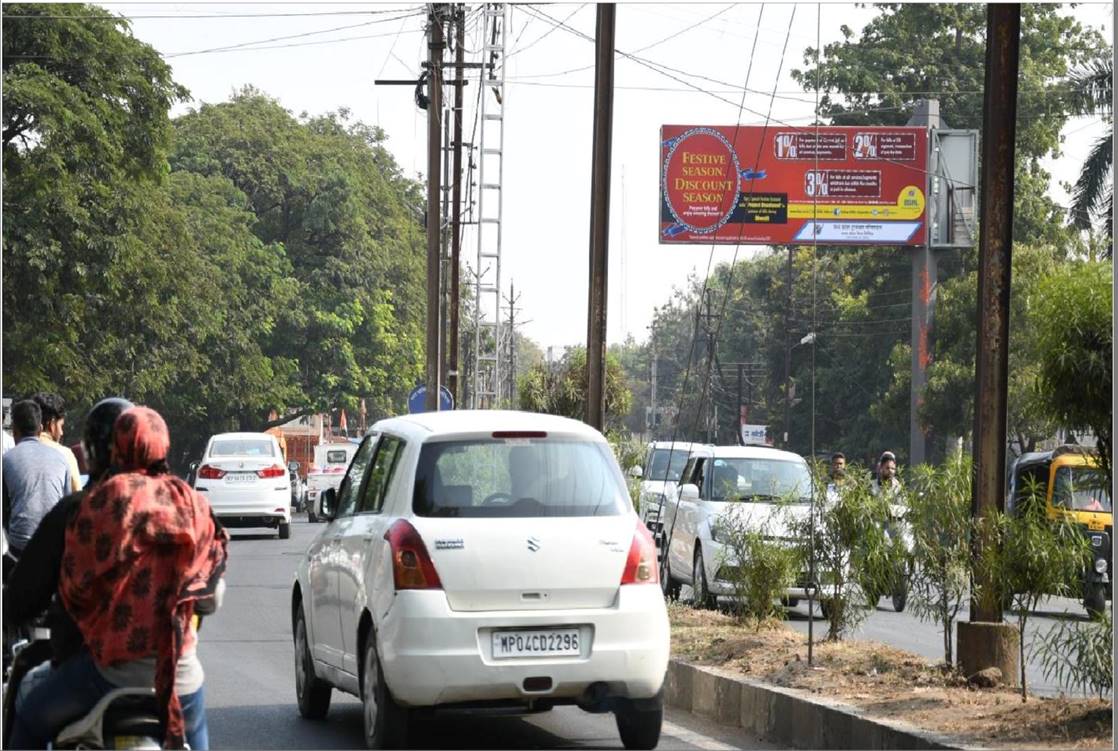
(549,111)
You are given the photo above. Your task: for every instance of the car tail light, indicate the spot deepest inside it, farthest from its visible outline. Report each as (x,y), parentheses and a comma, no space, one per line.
(274,471)
(411,565)
(206,472)
(520,434)
(641,566)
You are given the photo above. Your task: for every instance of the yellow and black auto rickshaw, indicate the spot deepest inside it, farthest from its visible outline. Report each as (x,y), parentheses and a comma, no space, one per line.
(1073,486)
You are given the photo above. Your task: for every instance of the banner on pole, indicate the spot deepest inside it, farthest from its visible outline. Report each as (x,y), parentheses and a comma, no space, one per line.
(778,185)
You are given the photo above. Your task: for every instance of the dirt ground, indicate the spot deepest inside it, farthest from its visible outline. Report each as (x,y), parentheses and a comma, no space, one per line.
(890,682)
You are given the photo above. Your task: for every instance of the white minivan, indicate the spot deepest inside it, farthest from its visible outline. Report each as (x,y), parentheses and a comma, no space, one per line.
(481,558)
(246,482)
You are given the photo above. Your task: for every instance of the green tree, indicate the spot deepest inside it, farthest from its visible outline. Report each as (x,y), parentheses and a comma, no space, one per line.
(562,390)
(1074,333)
(1092,92)
(327,190)
(84,149)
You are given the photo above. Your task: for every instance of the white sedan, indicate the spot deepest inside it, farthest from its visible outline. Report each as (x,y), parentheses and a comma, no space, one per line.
(481,558)
(246,482)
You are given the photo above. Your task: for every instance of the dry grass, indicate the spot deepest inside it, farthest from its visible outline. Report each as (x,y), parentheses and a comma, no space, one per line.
(889,682)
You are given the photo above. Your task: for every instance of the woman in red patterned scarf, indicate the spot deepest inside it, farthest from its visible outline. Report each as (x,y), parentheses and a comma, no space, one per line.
(141,552)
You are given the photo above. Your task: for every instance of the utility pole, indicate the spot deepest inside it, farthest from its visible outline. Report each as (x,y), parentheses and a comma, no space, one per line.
(513,299)
(985,641)
(652,399)
(434,181)
(456,201)
(788,355)
(741,407)
(599,217)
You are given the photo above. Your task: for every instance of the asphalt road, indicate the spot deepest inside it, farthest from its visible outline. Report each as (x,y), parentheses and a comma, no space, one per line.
(247,653)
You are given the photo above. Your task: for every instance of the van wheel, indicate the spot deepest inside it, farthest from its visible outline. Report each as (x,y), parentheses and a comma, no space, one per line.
(386,722)
(311,517)
(284,530)
(312,693)
(639,728)
(702,597)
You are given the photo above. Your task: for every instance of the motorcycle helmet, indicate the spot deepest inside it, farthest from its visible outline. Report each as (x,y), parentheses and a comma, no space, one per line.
(98,435)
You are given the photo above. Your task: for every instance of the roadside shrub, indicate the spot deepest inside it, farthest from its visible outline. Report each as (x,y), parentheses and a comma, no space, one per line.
(1080,656)
(1032,557)
(849,544)
(939,519)
(759,565)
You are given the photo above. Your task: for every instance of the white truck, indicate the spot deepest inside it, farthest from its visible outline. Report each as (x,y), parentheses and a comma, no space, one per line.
(330,463)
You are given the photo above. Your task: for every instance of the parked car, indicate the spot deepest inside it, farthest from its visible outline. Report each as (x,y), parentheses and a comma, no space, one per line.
(663,463)
(330,463)
(481,557)
(764,489)
(298,487)
(243,477)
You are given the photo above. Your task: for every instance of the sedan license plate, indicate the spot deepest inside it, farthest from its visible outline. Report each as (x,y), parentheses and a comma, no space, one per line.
(240,477)
(559,642)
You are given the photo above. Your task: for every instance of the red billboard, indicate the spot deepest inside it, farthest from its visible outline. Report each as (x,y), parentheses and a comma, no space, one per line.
(778,185)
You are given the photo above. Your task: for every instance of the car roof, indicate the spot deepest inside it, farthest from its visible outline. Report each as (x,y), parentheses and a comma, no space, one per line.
(681,445)
(748,452)
(426,426)
(243,436)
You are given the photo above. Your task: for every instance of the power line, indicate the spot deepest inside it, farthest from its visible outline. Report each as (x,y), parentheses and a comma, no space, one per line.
(546,33)
(226,48)
(192,16)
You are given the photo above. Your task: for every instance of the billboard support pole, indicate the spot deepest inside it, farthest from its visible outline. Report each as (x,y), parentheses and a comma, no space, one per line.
(924,276)
(788,355)
(599,217)
(434,183)
(985,641)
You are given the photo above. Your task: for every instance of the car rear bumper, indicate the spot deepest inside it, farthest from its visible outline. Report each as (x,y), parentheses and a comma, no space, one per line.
(433,655)
(265,509)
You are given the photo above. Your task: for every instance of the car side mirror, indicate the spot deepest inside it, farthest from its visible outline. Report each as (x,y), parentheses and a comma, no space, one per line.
(194,466)
(636,472)
(689,492)
(293,466)
(327,504)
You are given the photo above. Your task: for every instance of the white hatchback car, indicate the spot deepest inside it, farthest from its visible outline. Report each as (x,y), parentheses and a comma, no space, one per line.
(244,478)
(481,559)
(743,482)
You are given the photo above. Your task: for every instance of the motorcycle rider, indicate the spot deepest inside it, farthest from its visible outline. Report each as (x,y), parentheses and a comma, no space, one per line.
(35,477)
(65,693)
(30,590)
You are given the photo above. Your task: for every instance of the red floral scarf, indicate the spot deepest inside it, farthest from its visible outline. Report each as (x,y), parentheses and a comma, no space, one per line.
(142,548)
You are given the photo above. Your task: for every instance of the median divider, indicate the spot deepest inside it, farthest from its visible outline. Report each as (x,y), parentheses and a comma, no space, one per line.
(789,716)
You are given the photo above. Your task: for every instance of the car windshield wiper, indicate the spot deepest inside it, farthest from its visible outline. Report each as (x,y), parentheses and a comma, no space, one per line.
(751,497)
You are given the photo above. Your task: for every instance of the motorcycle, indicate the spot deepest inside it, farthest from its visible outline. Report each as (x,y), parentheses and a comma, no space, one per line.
(123,718)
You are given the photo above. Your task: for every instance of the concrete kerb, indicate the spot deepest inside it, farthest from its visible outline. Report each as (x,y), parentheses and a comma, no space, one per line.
(788,716)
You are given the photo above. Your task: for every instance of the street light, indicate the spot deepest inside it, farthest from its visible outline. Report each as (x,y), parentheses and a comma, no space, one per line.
(808,338)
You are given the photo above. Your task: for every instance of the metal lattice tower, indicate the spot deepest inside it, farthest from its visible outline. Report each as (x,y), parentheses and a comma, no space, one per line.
(487,310)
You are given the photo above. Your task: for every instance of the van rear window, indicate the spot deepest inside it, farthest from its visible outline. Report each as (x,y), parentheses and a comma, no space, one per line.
(518,478)
(336,457)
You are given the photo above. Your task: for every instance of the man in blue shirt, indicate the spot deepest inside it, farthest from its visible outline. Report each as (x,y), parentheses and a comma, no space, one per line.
(35,477)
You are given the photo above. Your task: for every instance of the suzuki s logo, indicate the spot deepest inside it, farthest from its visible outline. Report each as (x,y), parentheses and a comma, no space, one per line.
(533,544)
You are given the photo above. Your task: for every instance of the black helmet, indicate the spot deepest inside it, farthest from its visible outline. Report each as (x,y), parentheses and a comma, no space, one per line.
(97,438)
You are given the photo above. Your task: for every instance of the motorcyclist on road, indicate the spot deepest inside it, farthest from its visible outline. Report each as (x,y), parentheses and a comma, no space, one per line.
(141,550)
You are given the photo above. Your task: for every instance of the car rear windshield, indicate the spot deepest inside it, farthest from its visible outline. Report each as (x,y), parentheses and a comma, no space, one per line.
(741,479)
(662,470)
(242,447)
(518,478)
